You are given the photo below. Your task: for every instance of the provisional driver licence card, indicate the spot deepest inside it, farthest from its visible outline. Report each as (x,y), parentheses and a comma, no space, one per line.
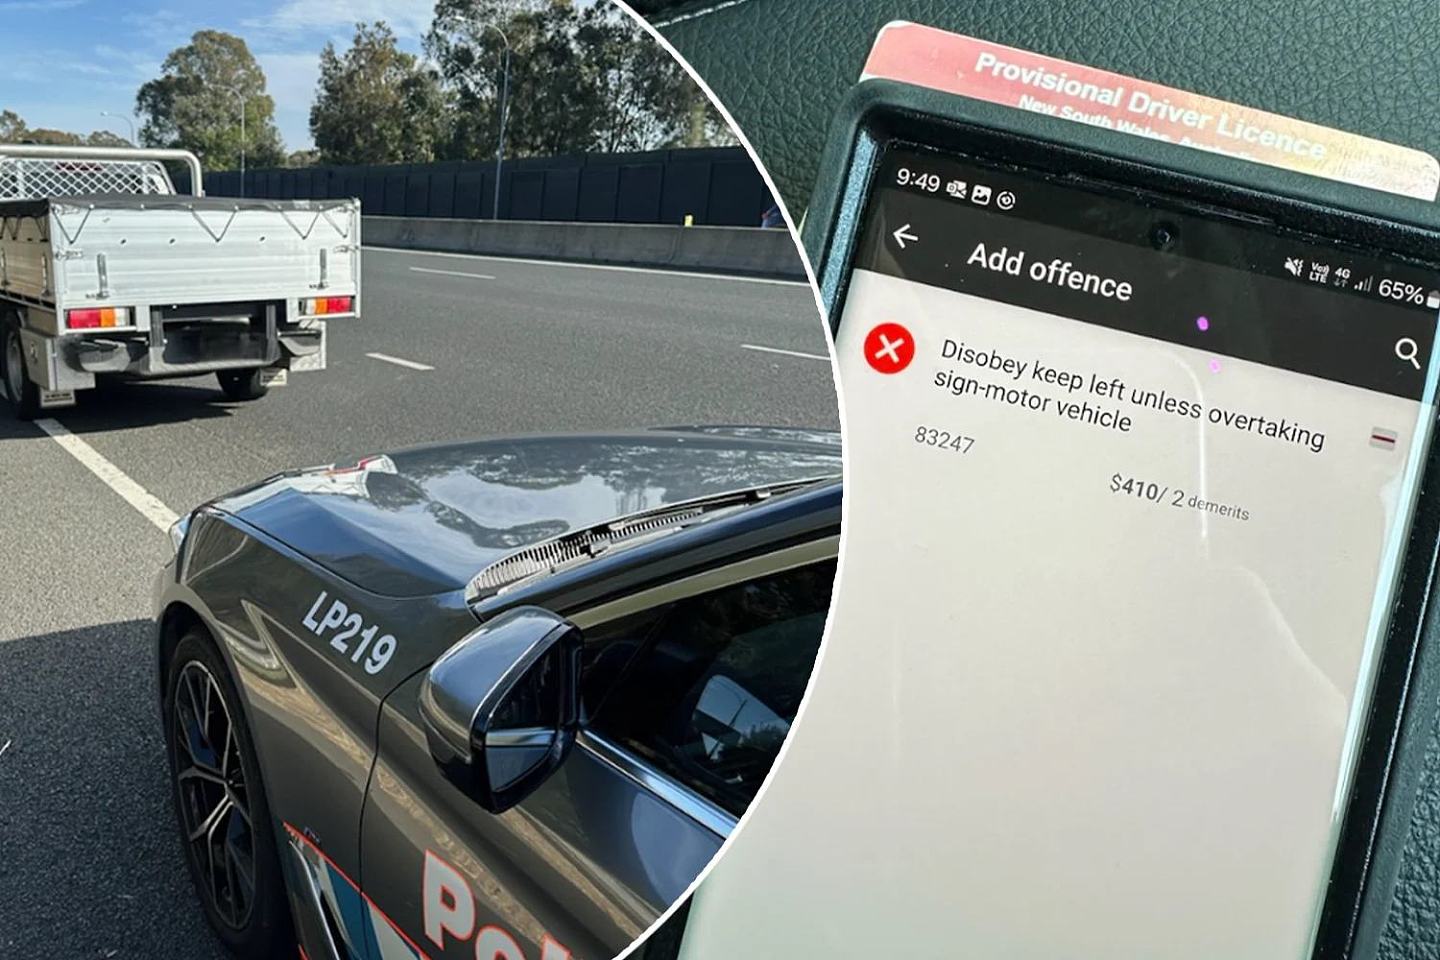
(927,57)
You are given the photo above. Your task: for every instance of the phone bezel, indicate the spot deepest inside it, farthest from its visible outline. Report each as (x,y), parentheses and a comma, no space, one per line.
(880,114)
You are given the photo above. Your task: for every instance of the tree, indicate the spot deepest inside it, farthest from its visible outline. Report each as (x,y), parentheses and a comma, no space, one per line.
(648,100)
(54,138)
(191,104)
(376,103)
(105,138)
(581,80)
(552,105)
(14,130)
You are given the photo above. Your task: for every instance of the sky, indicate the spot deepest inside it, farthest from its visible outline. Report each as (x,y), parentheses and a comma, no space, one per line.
(63,62)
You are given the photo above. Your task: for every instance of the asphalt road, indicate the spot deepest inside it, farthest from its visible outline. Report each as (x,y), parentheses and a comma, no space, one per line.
(90,866)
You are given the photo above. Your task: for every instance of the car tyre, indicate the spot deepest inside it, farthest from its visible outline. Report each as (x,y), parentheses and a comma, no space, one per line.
(242,384)
(22,392)
(220,806)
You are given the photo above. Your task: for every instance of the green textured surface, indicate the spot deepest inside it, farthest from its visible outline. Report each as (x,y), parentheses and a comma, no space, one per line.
(782,66)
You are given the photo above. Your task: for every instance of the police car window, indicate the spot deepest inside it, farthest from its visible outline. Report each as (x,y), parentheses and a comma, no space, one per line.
(714,681)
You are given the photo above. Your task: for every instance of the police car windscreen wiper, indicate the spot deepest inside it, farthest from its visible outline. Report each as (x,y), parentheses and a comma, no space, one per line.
(580,546)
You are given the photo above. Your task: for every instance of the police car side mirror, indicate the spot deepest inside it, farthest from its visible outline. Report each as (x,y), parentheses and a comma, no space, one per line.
(501,707)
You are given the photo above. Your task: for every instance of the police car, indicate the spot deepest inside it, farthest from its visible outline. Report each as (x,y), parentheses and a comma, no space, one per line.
(500,699)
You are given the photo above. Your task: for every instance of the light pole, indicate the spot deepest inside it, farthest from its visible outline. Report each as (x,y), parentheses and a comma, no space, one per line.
(121,116)
(504,103)
(241,97)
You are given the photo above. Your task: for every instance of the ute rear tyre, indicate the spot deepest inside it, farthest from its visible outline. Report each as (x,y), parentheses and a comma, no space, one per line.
(242,384)
(22,392)
(220,805)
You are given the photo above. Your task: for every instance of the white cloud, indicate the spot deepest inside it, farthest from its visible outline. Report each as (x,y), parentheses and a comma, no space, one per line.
(408,18)
(155,25)
(133,62)
(46,6)
(92,69)
(39,64)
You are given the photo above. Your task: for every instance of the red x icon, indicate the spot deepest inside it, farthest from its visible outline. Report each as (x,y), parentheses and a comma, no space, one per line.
(889,348)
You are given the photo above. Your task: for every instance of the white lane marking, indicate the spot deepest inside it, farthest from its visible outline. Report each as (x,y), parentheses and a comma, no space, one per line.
(112,476)
(593,266)
(788,353)
(6,747)
(453,273)
(399,362)
(661,24)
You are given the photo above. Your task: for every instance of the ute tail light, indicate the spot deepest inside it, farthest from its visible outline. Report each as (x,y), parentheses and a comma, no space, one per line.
(323,306)
(97,318)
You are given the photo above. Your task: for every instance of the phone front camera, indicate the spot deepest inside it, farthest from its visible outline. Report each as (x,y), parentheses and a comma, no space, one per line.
(1162,235)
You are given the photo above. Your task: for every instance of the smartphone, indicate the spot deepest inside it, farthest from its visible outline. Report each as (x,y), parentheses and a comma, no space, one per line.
(1125,654)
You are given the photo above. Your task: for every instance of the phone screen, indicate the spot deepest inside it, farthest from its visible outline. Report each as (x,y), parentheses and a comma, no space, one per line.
(1128,486)
(1153,472)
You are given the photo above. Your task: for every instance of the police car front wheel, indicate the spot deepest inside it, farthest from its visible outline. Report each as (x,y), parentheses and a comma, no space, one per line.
(223,816)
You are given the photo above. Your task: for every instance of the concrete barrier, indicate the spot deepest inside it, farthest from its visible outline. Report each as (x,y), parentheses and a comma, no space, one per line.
(741,250)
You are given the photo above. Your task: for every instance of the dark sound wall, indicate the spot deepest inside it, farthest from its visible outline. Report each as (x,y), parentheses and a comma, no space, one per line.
(718,186)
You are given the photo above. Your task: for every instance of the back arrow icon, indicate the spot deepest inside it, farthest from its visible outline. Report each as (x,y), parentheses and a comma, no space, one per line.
(903,234)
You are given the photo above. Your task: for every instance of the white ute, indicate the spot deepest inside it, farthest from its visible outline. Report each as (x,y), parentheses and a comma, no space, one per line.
(105,271)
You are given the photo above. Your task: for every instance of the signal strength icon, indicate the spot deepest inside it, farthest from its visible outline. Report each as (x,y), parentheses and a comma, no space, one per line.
(1295,265)
(1364,285)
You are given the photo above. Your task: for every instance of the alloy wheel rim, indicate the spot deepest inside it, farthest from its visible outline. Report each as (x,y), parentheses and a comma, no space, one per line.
(214,798)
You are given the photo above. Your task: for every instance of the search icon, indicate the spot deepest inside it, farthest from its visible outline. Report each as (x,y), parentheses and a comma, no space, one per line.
(1407,349)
